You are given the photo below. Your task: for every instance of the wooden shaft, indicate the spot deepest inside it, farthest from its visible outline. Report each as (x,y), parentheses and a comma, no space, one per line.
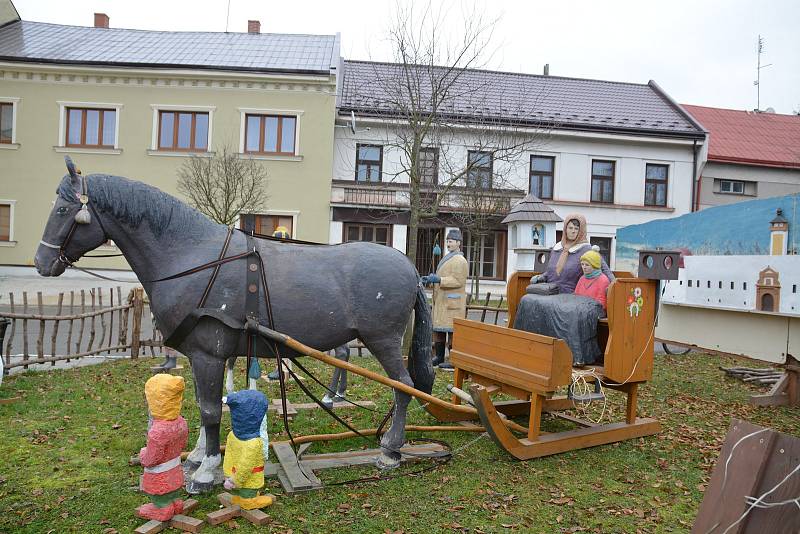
(372,431)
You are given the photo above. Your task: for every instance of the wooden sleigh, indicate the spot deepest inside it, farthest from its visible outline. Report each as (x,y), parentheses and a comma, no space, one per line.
(531,367)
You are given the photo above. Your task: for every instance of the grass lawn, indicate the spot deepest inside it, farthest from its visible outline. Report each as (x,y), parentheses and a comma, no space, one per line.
(65,448)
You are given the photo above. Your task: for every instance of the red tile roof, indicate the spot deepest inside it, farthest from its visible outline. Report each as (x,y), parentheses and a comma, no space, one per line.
(750,138)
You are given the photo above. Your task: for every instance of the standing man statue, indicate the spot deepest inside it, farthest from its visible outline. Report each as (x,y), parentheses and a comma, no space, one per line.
(449,296)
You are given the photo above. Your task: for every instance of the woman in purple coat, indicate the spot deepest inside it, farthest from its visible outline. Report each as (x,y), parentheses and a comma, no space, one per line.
(564,267)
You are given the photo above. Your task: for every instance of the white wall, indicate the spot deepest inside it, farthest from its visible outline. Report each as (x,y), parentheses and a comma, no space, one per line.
(766,181)
(741,270)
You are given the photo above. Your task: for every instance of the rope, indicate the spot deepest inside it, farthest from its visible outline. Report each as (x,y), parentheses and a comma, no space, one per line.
(583,388)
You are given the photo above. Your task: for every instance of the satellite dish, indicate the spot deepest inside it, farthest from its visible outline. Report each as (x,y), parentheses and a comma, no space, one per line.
(770,110)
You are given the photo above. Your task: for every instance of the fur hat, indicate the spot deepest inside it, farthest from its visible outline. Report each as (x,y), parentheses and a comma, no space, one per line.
(592,257)
(454,234)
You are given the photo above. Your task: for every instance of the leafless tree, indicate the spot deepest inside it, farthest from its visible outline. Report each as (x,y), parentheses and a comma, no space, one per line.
(224,185)
(437,107)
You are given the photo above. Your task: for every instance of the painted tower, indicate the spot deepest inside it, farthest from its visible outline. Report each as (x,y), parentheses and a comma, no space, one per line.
(778,234)
(531,234)
(768,290)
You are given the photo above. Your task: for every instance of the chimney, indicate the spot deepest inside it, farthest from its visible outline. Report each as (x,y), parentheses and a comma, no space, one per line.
(547,69)
(253,26)
(100,20)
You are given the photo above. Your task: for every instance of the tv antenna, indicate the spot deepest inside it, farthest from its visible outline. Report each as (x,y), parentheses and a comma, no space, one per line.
(228,16)
(351,125)
(757,82)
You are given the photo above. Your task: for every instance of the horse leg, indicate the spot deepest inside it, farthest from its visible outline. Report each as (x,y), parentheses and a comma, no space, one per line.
(229,375)
(208,376)
(388,352)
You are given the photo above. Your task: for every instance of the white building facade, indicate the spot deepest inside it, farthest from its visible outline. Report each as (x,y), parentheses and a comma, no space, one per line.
(613,175)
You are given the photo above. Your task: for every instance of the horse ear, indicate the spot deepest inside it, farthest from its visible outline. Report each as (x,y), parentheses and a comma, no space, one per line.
(74,173)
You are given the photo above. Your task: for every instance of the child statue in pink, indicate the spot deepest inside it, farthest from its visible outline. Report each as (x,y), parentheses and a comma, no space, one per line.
(593,283)
(161,457)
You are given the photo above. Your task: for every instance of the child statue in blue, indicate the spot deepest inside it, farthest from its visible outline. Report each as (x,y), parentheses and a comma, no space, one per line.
(244,451)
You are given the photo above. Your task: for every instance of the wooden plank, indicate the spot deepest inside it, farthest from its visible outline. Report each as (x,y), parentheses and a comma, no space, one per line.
(515,290)
(151,527)
(573,419)
(55,327)
(257,517)
(276,406)
(297,479)
(629,349)
(220,516)
(750,457)
(776,396)
(186,523)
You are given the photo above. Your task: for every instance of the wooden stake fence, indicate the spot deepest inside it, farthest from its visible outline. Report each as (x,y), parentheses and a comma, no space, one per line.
(69,327)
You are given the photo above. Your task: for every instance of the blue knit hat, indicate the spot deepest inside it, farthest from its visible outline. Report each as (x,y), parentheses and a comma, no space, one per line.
(248,408)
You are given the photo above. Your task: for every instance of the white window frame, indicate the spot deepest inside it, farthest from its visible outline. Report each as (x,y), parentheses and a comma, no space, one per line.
(732,190)
(617,178)
(154,151)
(61,143)
(14,101)
(11,241)
(670,174)
(296,113)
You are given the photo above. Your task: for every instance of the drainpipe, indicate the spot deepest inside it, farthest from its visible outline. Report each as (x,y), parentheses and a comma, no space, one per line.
(694,176)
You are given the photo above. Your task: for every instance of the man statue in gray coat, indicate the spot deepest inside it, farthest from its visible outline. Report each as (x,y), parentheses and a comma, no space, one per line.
(449,296)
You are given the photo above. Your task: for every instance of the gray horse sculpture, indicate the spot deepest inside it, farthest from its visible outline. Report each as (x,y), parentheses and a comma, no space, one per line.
(323,296)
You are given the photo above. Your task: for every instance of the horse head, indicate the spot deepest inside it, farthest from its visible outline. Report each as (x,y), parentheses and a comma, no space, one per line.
(72,229)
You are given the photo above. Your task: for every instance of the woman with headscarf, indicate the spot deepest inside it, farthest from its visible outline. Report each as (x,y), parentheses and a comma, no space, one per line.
(564,267)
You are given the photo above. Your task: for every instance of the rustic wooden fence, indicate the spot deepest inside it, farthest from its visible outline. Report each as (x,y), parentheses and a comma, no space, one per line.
(475,305)
(83,323)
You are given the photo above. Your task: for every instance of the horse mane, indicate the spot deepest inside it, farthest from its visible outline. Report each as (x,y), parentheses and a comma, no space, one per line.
(132,202)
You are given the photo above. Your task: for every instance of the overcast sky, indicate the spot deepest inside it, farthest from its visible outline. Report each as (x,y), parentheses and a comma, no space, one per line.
(700,52)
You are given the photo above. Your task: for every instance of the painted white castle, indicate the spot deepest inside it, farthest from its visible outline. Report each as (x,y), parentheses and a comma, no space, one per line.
(762,283)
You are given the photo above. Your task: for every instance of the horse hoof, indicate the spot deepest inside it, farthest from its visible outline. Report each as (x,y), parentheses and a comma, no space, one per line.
(190,466)
(385,462)
(195,488)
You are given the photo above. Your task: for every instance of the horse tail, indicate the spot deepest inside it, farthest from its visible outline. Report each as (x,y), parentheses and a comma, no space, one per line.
(420,366)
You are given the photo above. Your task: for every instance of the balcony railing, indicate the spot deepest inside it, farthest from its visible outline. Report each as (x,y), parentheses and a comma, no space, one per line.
(380,197)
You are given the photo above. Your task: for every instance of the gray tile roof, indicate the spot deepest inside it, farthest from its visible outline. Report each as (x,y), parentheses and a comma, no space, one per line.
(265,52)
(507,97)
(531,208)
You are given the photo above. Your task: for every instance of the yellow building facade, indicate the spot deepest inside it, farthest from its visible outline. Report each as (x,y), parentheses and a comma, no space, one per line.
(119,119)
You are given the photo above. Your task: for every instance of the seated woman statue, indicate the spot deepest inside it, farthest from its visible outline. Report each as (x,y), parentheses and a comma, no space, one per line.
(564,267)
(561,313)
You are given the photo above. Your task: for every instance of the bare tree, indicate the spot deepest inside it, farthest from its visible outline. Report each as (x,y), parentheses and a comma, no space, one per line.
(440,111)
(224,185)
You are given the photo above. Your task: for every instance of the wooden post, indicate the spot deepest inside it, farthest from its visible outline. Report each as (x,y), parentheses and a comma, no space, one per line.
(630,406)
(102,318)
(486,305)
(92,293)
(136,330)
(40,339)
(535,419)
(119,318)
(123,326)
(10,335)
(25,355)
(55,328)
(497,312)
(111,318)
(83,322)
(71,321)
